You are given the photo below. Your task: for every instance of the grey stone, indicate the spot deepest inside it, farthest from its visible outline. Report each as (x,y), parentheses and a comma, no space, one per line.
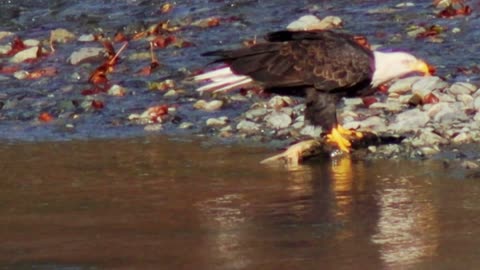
(278,120)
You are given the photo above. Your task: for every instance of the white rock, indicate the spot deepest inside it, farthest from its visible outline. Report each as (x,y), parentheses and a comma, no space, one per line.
(427,85)
(460,88)
(254,114)
(248,126)
(208,106)
(217,122)
(388,106)
(409,120)
(311,22)
(404,85)
(4,34)
(466,100)
(185,125)
(279,102)
(446,112)
(278,120)
(427,137)
(21,74)
(86,54)
(86,38)
(30,53)
(352,102)
(117,90)
(31,42)
(4,49)
(374,123)
(462,137)
(476,103)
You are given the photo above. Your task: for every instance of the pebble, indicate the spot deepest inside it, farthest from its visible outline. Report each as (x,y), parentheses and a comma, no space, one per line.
(426,85)
(248,126)
(62,35)
(403,86)
(462,88)
(30,53)
(255,114)
(217,122)
(117,90)
(312,131)
(86,54)
(186,125)
(409,120)
(278,102)
(209,106)
(278,120)
(311,22)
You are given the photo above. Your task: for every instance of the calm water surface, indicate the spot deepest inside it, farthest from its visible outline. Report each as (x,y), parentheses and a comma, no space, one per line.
(158,203)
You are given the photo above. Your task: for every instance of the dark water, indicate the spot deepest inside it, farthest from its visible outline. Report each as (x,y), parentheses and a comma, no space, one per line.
(158,203)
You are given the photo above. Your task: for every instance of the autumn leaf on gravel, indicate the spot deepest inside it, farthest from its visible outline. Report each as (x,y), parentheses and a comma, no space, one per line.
(45,117)
(207,22)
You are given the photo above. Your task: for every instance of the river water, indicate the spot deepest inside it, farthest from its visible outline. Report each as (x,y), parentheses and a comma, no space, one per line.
(159,203)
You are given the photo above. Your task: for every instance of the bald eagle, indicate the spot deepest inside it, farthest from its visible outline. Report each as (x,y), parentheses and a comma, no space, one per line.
(321,66)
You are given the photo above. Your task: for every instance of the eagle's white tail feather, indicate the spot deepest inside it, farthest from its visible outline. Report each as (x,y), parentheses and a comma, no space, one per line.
(222,79)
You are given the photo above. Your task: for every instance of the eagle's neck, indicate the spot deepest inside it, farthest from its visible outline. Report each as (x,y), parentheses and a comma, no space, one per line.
(390,65)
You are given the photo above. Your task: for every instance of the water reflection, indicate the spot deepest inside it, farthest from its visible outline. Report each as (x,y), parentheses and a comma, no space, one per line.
(407,229)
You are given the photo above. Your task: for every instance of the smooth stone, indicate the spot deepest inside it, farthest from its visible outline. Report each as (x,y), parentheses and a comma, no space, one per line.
(403,86)
(426,85)
(248,126)
(210,106)
(409,121)
(278,120)
(460,88)
(255,113)
(217,122)
(312,131)
(86,54)
(30,53)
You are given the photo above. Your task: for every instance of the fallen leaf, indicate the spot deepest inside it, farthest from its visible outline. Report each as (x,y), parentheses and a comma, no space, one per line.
(97,104)
(45,117)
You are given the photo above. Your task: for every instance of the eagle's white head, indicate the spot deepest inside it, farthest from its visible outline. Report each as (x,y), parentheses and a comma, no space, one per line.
(391,65)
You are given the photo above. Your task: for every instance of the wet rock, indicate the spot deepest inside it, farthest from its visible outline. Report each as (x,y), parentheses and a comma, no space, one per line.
(61,35)
(217,122)
(468,164)
(403,86)
(255,114)
(30,53)
(248,127)
(186,125)
(278,120)
(312,131)
(427,137)
(86,54)
(210,106)
(462,88)
(409,120)
(311,22)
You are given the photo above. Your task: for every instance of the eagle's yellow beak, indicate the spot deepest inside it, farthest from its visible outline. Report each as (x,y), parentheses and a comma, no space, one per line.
(424,68)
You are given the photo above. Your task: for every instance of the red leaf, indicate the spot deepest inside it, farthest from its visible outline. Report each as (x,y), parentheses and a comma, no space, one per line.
(383,88)
(17,45)
(157,111)
(44,72)
(367,101)
(97,104)
(430,99)
(45,117)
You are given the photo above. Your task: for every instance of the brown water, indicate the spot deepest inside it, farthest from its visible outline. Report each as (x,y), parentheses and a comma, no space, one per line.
(164,204)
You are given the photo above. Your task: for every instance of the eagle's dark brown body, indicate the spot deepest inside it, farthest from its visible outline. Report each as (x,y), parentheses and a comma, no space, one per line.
(320,65)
